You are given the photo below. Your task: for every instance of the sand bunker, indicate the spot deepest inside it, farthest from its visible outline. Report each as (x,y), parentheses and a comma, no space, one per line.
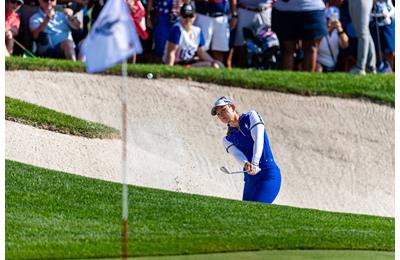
(334,154)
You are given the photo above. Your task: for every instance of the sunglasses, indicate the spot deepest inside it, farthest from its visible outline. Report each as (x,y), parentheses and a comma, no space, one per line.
(16,2)
(185,16)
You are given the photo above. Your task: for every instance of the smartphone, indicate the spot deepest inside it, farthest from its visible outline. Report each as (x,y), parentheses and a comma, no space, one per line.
(334,17)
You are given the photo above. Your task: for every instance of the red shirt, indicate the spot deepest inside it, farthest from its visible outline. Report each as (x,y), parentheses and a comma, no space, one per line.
(138,18)
(12,21)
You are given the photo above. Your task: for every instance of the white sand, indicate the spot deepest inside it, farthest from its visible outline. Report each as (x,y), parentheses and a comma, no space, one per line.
(334,154)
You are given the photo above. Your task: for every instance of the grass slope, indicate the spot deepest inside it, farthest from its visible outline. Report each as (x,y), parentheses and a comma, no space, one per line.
(56,215)
(41,117)
(377,88)
(284,255)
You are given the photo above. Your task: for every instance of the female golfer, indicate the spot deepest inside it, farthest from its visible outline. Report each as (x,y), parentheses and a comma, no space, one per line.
(247,141)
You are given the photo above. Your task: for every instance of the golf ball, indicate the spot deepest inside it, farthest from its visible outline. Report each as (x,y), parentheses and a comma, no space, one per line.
(149,75)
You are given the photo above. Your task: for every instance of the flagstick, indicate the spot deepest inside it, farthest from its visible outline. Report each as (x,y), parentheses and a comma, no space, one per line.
(124,162)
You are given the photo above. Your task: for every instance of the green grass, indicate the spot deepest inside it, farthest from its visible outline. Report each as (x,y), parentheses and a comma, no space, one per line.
(52,214)
(284,255)
(41,117)
(377,88)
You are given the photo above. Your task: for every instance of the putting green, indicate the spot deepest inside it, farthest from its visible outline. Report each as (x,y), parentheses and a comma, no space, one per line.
(287,255)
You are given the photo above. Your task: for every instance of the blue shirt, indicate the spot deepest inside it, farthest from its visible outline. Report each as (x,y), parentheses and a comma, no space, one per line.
(163,7)
(57,28)
(242,139)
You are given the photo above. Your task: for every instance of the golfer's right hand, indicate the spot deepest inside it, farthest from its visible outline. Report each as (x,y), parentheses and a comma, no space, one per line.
(251,169)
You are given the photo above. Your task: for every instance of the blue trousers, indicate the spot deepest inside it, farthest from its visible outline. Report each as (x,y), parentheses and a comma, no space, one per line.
(264,189)
(160,34)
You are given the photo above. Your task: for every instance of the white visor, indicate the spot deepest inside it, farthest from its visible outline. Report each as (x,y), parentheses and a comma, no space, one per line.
(222,101)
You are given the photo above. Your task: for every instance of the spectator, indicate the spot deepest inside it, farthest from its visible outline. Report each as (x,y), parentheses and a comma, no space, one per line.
(185,40)
(212,18)
(299,20)
(167,12)
(138,14)
(96,6)
(360,11)
(329,48)
(347,57)
(24,36)
(250,12)
(382,30)
(50,29)
(12,23)
(80,10)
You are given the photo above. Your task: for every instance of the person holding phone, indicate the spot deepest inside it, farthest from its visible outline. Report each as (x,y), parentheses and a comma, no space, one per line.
(335,39)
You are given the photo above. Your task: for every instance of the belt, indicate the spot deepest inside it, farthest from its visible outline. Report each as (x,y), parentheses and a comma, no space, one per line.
(255,9)
(217,14)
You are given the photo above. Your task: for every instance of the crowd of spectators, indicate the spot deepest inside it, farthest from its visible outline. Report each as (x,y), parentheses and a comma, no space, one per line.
(355,36)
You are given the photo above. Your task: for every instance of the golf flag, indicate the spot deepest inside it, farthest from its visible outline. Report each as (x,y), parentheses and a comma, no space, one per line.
(112,39)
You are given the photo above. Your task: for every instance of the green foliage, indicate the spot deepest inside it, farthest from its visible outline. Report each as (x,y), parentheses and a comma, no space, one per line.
(52,214)
(41,117)
(376,88)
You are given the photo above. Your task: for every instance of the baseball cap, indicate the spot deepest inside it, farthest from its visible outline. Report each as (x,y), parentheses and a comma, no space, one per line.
(222,101)
(187,9)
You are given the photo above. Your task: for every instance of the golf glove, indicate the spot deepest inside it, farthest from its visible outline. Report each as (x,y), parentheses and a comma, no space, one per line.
(256,169)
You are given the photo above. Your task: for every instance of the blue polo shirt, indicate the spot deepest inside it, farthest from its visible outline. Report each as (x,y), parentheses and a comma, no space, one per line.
(57,28)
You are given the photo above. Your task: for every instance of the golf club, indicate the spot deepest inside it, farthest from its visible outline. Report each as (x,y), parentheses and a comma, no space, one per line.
(225,170)
(25,49)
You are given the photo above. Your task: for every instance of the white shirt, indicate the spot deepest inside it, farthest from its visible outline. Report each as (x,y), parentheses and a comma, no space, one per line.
(324,55)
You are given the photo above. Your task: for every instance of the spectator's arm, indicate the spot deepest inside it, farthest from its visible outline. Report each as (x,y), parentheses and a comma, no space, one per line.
(9,34)
(149,24)
(343,39)
(37,29)
(73,21)
(131,6)
(203,55)
(41,28)
(171,51)
(234,15)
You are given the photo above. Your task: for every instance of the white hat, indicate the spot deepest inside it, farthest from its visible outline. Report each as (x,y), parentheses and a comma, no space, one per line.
(222,101)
